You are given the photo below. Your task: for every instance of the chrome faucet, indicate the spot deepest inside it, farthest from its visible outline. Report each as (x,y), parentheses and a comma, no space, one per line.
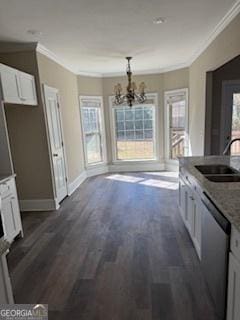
(228,146)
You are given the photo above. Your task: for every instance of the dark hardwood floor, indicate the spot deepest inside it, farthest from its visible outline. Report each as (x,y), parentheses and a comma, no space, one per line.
(116,250)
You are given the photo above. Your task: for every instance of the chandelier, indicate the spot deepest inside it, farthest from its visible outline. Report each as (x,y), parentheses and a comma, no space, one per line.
(131,96)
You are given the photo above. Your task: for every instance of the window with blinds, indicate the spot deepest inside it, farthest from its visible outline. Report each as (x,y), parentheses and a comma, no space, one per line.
(177,126)
(134,132)
(91,110)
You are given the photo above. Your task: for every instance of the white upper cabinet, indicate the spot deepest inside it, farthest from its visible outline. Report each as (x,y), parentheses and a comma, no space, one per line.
(27,88)
(10,87)
(17,87)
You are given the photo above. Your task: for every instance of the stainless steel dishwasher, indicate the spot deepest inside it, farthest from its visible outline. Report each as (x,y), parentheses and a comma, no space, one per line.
(215,250)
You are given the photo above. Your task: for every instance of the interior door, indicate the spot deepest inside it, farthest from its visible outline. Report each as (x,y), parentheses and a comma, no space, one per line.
(56,142)
(230,122)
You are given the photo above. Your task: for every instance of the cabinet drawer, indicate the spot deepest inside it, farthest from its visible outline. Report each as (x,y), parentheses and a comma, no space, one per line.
(235,243)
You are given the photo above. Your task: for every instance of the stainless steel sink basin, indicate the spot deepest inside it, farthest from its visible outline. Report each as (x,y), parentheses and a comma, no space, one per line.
(216,169)
(223,178)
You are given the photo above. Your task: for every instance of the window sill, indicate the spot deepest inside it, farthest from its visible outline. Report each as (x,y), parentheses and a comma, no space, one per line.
(95,165)
(135,161)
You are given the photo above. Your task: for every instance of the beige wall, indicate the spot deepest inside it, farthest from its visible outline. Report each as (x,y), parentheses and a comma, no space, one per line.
(156,83)
(177,79)
(54,75)
(224,48)
(90,86)
(27,135)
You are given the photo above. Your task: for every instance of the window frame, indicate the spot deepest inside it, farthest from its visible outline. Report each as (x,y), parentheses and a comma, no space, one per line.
(98,99)
(152,97)
(167,95)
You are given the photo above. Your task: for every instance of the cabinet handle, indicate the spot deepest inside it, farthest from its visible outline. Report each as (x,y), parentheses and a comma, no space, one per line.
(187,178)
(236,243)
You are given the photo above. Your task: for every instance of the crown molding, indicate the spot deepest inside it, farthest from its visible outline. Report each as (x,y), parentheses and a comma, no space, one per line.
(90,74)
(149,71)
(225,21)
(48,53)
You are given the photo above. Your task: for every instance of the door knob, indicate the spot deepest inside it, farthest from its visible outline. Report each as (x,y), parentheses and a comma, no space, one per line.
(55,155)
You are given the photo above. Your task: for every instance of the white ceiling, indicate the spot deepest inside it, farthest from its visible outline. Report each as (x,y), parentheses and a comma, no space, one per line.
(96,35)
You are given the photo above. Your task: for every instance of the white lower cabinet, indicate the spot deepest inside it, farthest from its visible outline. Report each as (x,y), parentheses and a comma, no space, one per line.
(6,295)
(233,306)
(182,197)
(10,212)
(191,208)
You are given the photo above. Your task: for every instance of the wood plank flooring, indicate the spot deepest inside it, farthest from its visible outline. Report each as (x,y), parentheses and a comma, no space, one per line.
(116,250)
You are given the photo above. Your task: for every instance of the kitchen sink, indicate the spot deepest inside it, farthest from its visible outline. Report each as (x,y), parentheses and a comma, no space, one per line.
(215,169)
(223,178)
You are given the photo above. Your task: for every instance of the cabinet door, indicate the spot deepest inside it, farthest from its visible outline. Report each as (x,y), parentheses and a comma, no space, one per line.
(233,306)
(189,209)
(27,88)
(181,199)
(9,82)
(196,226)
(6,295)
(10,216)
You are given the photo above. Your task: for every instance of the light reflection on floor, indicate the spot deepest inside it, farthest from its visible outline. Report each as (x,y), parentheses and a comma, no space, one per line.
(163,174)
(172,184)
(160,184)
(124,178)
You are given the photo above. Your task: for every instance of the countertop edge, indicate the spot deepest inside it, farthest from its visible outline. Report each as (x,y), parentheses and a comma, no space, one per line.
(185,162)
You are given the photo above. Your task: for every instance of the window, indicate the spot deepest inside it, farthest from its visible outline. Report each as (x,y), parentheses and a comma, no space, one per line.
(134,132)
(176,124)
(91,111)
(235,148)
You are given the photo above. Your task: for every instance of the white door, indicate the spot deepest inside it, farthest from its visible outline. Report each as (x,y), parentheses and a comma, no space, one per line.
(56,142)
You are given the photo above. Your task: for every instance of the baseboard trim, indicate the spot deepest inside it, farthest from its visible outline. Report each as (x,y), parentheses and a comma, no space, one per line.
(94,171)
(72,186)
(114,168)
(38,205)
(52,204)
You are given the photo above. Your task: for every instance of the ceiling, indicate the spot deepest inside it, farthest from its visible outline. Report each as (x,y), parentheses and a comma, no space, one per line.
(94,36)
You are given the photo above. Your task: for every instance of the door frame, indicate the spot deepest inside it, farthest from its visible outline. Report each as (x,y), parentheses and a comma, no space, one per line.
(167,94)
(55,90)
(228,87)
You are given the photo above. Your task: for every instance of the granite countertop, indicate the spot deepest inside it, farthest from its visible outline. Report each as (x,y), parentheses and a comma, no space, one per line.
(225,195)
(5,177)
(4,246)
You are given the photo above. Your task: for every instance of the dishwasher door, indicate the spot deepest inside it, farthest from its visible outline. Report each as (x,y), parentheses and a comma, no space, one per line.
(215,250)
